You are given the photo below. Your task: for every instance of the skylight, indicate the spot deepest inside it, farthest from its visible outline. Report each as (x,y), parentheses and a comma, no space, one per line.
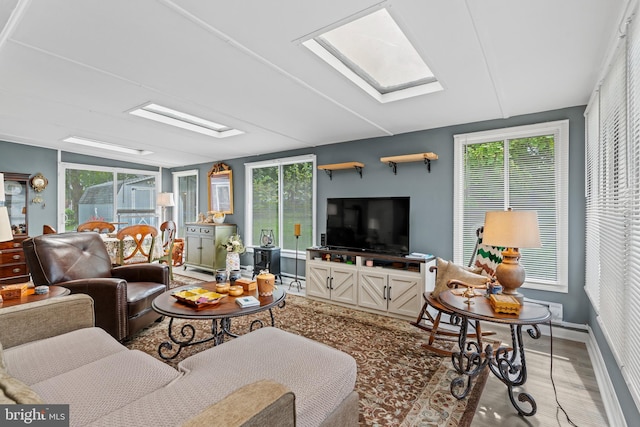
(374,53)
(182,120)
(105,145)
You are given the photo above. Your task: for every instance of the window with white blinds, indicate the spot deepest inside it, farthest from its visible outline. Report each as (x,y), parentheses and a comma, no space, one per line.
(524,168)
(612,190)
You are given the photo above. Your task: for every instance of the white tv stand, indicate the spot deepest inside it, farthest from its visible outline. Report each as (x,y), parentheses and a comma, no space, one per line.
(389,285)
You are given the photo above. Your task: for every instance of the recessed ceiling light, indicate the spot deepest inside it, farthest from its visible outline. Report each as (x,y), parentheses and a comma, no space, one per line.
(374,53)
(182,120)
(105,145)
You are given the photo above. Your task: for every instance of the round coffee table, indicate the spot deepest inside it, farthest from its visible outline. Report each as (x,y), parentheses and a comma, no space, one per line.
(219,314)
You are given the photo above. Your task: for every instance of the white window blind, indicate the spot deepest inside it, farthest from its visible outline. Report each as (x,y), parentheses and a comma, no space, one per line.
(614,199)
(524,168)
(613,206)
(632,282)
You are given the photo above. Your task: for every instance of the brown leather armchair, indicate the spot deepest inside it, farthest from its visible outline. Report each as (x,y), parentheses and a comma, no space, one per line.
(79,261)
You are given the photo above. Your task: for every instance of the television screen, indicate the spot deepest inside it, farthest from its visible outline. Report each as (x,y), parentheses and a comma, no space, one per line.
(377,224)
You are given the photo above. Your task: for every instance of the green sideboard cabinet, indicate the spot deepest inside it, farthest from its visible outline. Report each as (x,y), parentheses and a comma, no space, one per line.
(204,241)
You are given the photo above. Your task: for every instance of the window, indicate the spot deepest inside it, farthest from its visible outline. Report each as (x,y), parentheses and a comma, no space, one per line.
(525,168)
(375,54)
(185,193)
(281,193)
(612,188)
(121,196)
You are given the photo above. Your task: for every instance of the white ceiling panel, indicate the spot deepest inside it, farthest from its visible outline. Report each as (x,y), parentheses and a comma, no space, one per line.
(76,67)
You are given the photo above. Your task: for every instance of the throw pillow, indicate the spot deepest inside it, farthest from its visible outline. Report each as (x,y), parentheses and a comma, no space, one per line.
(13,391)
(447,271)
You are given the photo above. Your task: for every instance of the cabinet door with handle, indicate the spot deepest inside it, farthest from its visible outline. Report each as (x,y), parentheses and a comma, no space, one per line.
(404,295)
(343,285)
(373,291)
(318,281)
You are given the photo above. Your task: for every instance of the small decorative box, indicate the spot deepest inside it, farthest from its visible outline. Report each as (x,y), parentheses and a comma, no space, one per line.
(506,304)
(248,285)
(14,291)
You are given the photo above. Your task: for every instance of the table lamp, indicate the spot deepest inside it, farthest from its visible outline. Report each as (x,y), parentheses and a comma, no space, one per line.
(512,230)
(165,200)
(6,234)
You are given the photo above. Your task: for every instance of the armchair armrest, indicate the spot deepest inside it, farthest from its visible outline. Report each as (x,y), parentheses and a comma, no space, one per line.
(25,323)
(263,403)
(110,296)
(158,273)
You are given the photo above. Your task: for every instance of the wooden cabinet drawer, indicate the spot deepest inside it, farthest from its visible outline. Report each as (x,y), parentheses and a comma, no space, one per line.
(192,229)
(11,244)
(11,256)
(9,270)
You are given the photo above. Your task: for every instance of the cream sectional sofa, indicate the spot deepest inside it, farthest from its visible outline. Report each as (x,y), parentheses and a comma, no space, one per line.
(266,377)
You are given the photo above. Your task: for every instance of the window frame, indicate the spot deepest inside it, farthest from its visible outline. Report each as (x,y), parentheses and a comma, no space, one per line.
(248,220)
(62,182)
(175,177)
(560,130)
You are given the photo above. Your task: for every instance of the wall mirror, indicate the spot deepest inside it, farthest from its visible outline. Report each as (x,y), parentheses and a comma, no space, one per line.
(221,189)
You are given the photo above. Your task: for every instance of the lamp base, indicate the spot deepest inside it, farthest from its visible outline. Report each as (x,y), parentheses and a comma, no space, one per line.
(509,272)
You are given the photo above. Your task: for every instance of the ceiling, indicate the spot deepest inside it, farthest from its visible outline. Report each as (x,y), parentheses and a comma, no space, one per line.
(76,67)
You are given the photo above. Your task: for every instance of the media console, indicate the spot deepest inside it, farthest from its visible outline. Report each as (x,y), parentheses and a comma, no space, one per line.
(378,283)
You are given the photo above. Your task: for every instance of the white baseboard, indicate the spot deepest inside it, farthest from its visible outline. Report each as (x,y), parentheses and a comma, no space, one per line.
(607,391)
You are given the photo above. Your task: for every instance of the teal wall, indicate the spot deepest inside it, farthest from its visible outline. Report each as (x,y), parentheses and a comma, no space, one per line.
(431,194)
(30,160)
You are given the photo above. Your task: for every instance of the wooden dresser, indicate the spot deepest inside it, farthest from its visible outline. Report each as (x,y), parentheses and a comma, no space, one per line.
(13,266)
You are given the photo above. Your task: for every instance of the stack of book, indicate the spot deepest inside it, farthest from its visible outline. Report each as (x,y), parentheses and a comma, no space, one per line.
(247,301)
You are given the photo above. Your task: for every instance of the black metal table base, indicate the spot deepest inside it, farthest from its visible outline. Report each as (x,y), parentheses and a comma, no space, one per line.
(507,364)
(185,336)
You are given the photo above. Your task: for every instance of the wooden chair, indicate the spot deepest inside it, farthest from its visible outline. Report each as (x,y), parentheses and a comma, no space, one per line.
(168,230)
(136,244)
(47,229)
(97,226)
(436,318)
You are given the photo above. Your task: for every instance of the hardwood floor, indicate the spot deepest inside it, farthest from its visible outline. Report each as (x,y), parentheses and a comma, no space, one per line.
(575,382)
(573,375)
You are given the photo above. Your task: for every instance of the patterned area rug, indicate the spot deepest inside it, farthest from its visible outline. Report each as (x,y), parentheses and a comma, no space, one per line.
(399,383)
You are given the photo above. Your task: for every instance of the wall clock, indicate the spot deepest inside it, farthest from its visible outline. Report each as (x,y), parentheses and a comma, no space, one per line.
(38,182)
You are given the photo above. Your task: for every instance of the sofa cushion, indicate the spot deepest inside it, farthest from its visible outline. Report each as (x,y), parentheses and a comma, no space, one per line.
(59,354)
(140,295)
(319,376)
(105,385)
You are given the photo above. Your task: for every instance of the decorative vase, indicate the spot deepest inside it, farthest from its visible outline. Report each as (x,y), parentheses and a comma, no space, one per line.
(221,275)
(233,261)
(266,283)
(233,276)
(218,218)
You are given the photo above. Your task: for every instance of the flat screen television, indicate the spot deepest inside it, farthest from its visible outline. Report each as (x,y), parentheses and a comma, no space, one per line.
(372,224)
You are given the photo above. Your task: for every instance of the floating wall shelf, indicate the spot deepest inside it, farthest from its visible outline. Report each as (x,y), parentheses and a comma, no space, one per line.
(338,166)
(393,161)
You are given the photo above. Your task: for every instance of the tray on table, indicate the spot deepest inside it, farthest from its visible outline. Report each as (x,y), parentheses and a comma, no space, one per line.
(198,297)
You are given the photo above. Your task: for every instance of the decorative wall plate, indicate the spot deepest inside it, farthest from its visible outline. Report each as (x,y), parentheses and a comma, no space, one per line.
(39,182)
